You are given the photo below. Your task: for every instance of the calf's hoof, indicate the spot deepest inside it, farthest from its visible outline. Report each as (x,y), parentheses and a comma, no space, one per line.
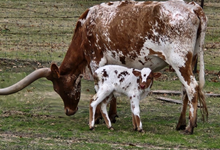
(91,128)
(141,131)
(111,128)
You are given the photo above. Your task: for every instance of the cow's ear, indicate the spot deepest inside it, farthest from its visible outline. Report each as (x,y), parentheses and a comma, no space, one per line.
(156,74)
(55,71)
(136,73)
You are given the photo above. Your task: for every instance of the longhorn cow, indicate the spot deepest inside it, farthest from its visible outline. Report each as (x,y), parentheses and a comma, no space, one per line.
(136,35)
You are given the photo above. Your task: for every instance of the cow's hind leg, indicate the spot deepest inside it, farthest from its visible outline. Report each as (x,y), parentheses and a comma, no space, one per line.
(193,103)
(191,86)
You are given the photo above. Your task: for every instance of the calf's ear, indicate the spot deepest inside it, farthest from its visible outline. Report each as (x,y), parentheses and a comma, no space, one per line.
(136,73)
(156,74)
(55,71)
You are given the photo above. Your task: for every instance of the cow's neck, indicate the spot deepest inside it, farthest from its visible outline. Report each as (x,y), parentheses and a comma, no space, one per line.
(74,61)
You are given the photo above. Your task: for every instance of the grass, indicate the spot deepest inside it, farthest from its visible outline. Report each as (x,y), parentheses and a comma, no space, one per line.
(34,119)
(35,33)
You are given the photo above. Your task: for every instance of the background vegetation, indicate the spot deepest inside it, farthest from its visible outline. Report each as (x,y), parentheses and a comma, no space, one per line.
(35,33)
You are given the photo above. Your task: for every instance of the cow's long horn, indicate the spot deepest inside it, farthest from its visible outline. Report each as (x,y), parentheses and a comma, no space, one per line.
(39,73)
(78,80)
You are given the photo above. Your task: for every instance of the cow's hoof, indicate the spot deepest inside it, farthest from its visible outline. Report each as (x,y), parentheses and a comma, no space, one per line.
(188,131)
(182,127)
(113,118)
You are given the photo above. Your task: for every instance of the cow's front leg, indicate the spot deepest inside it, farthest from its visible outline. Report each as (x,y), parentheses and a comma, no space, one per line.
(113,110)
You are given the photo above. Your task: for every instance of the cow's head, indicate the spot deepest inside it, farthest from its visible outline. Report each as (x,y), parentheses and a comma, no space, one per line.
(146,77)
(68,87)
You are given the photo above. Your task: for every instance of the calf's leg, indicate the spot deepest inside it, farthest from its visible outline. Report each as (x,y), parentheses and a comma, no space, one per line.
(113,109)
(94,102)
(134,122)
(98,115)
(104,111)
(137,124)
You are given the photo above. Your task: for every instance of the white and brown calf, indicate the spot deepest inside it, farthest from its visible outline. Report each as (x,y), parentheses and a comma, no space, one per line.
(111,80)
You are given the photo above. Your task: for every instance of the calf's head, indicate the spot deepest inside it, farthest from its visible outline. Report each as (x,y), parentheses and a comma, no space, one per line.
(146,77)
(68,87)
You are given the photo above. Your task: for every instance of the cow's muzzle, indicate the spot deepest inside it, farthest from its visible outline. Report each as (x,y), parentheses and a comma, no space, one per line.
(70,112)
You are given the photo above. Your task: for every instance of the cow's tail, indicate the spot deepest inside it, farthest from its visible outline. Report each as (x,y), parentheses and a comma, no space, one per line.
(201,39)
(200,50)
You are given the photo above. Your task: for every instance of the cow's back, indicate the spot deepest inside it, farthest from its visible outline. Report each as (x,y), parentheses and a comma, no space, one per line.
(139,34)
(115,23)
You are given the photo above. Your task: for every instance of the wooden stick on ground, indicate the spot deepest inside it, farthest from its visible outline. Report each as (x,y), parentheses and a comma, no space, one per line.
(171,100)
(178,93)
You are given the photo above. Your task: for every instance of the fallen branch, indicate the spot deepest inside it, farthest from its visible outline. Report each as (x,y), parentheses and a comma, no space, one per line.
(179,93)
(212,95)
(166,92)
(171,100)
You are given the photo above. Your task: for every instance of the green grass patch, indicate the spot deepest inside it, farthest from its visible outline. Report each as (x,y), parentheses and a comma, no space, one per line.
(34,119)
